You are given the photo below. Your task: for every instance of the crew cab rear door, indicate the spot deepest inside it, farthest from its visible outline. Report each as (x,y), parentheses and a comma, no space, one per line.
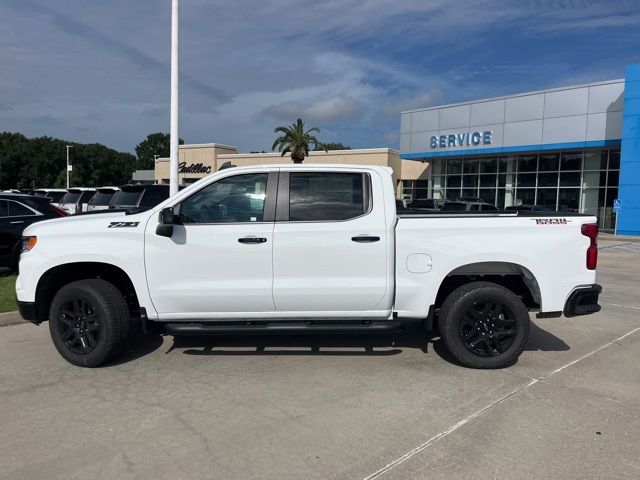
(330,243)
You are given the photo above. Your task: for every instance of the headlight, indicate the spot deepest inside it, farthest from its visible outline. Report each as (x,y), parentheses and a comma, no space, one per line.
(28,243)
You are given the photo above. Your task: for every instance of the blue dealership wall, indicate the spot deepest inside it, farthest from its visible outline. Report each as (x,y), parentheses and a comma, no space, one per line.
(629,192)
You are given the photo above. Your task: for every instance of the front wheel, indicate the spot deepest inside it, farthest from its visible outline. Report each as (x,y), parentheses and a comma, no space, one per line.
(88,322)
(484,325)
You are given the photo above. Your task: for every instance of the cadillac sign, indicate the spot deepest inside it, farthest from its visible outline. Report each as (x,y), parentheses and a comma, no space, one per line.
(462,139)
(193,168)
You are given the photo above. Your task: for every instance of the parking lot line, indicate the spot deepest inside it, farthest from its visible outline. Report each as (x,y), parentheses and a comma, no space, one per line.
(484,409)
(622,306)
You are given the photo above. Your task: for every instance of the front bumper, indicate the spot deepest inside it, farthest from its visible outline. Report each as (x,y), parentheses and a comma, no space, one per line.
(583,301)
(28,311)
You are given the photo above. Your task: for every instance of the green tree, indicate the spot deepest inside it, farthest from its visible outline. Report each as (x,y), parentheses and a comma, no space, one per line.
(332,146)
(296,141)
(41,162)
(156,144)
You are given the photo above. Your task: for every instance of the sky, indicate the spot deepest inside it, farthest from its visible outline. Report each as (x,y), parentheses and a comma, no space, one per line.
(98,71)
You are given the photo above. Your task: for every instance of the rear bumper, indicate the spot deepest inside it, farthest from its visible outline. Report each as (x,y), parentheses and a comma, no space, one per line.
(583,301)
(28,311)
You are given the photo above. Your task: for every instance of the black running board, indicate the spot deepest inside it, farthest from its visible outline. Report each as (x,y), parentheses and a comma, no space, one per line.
(282,328)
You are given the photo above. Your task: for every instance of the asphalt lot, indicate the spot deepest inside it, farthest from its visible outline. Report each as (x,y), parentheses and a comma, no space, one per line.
(324,408)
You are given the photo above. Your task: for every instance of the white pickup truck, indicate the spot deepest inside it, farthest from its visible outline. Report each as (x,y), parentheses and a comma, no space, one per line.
(304,249)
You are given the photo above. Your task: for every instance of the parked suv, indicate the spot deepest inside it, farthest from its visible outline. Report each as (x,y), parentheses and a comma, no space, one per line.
(55,194)
(140,197)
(76,199)
(17,212)
(102,199)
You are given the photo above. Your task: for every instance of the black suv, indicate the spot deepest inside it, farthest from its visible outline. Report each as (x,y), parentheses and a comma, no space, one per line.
(17,212)
(139,197)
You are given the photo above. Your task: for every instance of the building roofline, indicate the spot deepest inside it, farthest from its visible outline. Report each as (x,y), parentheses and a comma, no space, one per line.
(515,95)
(206,145)
(314,154)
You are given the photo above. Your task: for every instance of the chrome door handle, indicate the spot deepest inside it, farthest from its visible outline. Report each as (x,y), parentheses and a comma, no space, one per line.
(17,222)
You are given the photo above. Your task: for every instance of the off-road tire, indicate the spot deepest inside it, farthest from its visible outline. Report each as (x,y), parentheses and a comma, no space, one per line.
(107,309)
(455,315)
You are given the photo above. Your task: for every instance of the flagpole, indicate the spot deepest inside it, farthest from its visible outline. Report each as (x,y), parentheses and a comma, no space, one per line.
(174,140)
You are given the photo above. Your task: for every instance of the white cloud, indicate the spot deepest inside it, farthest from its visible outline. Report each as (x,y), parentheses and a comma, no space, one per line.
(330,110)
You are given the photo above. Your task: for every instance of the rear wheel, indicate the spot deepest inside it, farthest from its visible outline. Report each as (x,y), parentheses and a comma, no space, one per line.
(484,325)
(88,322)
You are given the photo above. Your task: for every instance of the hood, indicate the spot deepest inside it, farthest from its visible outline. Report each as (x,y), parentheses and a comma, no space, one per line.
(81,224)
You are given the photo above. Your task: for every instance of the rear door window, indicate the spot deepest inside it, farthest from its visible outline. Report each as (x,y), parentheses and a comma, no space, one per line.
(17,209)
(316,196)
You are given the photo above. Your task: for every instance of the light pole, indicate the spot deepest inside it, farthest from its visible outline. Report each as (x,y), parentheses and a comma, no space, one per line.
(174,139)
(68,164)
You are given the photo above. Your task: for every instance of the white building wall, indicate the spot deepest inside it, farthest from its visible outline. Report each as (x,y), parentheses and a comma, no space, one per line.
(573,115)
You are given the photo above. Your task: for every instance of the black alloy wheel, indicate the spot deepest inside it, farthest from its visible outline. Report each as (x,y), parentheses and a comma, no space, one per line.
(79,326)
(487,328)
(89,322)
(484,325)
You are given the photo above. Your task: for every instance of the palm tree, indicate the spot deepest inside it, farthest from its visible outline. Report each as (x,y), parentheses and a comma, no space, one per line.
(296,141)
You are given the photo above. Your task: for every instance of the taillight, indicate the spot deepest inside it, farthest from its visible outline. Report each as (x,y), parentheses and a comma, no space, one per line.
(57,211)
(591,230)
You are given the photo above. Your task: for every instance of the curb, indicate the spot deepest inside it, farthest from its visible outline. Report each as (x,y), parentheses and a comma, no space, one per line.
(10,318)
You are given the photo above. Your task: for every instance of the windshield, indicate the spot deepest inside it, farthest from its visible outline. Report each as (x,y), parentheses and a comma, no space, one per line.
(102,198)
(70,197)
(126,198)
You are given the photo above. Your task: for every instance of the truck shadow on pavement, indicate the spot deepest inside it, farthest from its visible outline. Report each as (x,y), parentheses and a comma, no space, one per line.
(413,336)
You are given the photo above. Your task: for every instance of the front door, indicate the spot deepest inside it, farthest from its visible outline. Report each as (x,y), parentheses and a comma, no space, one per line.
(218,262)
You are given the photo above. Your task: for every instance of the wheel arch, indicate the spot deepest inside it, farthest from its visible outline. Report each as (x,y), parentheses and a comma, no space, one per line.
(56,277)
(513,276)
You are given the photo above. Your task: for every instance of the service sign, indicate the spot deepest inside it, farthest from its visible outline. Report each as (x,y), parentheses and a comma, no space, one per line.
(472,139)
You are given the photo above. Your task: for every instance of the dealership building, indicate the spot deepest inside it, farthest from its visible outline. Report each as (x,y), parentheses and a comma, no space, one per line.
(573,148)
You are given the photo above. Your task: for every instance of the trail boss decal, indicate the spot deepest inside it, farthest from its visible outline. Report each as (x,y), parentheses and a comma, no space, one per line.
(550,221)
(123,224)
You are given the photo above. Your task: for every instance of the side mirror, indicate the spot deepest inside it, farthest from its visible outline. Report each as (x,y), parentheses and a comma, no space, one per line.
(166,221)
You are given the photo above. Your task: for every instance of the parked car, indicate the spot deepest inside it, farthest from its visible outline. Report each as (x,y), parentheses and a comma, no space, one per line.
(426,204)
(55,194)
(76,199)
(139,197)
(102,199)
(462,206)
(304,249)
(18,211)
(530,208)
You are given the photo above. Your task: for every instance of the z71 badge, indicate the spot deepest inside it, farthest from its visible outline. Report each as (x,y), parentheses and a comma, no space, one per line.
(551,221)
(123,224)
